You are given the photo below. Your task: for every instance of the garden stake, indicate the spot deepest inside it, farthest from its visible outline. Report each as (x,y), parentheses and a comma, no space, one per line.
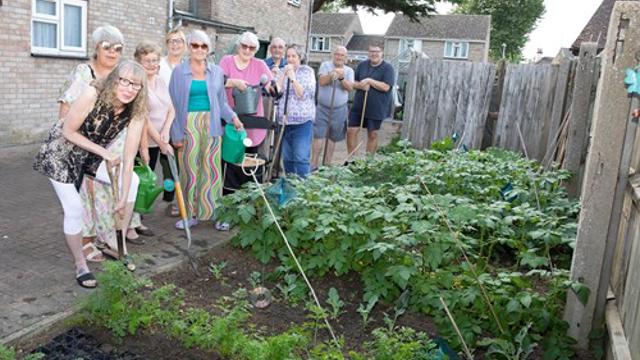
(276,152)
(182,209)
(121,228)
(326,138)
(472,267)
(293,255)
(455,327)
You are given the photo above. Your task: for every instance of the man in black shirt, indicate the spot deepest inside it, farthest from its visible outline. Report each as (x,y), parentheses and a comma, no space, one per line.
(375,77)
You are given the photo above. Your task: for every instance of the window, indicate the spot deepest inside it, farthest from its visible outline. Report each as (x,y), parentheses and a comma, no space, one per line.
(319,43)
(59,27)
(456,50)
(294,2)
(406,44)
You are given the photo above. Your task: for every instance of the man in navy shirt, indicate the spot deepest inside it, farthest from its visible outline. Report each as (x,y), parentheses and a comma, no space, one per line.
(375,77)
(277,60)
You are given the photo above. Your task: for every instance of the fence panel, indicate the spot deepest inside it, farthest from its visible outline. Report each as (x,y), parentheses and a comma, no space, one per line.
(446,97)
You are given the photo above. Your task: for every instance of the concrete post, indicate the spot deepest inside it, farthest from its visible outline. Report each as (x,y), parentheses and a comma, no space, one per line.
(602,171)
(580,117)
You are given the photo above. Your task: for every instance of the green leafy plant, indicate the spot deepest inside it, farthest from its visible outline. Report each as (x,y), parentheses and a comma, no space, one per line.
(335,302)
(290,285)
(402,221)
(365,310)
(9,353)
(518,348)
(255,279)
(216,270)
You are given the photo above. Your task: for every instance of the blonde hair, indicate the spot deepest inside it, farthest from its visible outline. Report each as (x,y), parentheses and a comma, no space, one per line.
(145,48)
(175,31)
(108,87)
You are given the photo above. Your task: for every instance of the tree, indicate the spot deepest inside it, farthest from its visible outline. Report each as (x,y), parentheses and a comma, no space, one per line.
(332,6)
(414,9)
(511,22)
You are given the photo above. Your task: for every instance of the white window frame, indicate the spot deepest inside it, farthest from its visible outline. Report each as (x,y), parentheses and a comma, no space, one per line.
(406,43)
(462,46)
(326,43)
(61,49)
(297,3)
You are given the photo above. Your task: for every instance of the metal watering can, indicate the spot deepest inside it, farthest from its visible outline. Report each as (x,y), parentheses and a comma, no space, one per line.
(148,190)
(246,102)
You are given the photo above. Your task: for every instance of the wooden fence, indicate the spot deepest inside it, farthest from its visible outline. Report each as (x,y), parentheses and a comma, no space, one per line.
(526,107)
(444,98)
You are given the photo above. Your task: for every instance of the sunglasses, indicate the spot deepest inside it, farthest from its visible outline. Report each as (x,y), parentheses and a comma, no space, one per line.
(248,47)
(195,46)
(109,46)
(128,83)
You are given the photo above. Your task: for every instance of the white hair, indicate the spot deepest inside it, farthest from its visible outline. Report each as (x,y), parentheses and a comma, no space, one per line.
(249,38)
(107,33)
(199,36)
(278,40)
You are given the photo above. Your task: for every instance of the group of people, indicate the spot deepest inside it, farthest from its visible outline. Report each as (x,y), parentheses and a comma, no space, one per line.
(112,110)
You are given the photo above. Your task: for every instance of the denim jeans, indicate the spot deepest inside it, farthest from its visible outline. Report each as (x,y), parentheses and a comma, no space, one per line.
(296,148)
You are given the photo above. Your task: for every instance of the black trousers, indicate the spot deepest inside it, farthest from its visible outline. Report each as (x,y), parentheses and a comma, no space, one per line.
(154,153)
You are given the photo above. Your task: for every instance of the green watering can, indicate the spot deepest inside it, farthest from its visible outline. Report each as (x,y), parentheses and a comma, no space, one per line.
(148,190)
(233,144)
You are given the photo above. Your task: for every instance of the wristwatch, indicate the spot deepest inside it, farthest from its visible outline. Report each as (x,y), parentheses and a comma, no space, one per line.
(340,79)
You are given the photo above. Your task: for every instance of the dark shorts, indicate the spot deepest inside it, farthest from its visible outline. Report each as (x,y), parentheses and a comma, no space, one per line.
(338,123)
(370,124)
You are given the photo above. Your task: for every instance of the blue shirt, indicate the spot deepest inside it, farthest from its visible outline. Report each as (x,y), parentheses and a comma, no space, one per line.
(179,88)
(269,61)
(378,102)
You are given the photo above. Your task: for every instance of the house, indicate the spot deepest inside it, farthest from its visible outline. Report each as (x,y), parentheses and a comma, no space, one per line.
(329,30)
(597,27)
(358,46)
(451,37)
(41,41)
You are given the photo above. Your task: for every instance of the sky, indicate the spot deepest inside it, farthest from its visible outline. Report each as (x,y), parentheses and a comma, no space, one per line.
(556,29)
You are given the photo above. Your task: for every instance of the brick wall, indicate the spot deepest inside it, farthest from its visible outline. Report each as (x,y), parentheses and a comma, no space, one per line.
(270,18)
(30,85)
(435,49)
(317,57)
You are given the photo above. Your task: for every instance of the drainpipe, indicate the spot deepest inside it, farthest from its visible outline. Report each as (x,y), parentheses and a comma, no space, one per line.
(306,46)
(170,16)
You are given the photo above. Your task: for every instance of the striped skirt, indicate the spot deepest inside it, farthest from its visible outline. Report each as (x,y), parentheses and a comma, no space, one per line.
(200,168)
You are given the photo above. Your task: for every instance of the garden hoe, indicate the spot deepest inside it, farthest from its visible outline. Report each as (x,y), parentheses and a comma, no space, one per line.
(183,210)
(326,138)
(276,151)
(121,228)
(364,109)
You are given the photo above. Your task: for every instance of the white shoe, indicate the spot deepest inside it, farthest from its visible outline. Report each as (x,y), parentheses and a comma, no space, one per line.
(191,222)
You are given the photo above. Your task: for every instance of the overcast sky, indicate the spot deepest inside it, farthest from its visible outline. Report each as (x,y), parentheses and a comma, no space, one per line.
(559,26)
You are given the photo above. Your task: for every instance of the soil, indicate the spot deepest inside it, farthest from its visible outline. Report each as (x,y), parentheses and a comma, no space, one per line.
(203,291)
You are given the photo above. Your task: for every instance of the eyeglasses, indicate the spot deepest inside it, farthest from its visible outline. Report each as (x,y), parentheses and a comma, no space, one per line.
(195,46)
(150,62)
(176,41)
(277,46)
(128,83)
(248,47)
(109,46)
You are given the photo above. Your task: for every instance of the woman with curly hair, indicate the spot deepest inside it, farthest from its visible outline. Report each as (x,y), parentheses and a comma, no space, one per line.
(78,146)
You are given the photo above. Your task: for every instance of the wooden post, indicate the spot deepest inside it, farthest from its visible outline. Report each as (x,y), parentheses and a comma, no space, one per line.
(602,186)
(561,96)
(410,98)
(494,107)
(580,117)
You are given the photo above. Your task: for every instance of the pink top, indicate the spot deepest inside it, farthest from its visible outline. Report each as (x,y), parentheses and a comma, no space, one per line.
(251,74)
(159,102)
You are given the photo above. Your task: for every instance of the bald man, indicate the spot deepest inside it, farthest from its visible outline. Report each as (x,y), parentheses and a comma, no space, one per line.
(332,74)
(277,60)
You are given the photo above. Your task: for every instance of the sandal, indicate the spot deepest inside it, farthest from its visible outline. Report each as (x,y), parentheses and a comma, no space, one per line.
(222,226)
(136,241)
(93,254)
(87,277)
(172,210)
(144,231)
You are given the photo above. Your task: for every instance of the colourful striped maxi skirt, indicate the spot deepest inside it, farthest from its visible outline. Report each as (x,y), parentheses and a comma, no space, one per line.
(200,167)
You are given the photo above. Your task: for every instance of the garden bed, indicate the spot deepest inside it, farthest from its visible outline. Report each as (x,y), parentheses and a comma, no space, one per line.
(387,244)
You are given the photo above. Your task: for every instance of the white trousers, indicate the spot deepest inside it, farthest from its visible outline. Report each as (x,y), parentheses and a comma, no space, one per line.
(72,204)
